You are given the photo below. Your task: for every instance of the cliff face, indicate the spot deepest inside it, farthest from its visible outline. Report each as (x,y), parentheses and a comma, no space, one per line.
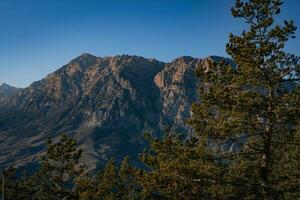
(106,103)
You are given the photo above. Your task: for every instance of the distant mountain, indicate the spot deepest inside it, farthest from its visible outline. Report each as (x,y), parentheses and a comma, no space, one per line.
(105,103)
(7,91)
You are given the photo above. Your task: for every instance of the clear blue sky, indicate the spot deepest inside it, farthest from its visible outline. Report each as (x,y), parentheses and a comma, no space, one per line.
(39,36)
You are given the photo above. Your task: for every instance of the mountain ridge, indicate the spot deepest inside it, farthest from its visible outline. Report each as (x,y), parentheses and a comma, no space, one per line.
(106,103)
(7,91)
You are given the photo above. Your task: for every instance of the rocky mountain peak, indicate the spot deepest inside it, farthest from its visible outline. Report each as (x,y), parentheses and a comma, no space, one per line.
(6,92)
(5,86)
(106,103)
(184,60)
(81,63)
(84,57)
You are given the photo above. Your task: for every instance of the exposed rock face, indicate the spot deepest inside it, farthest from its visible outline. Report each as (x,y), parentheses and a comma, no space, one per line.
(7,91)
(106,103)
(177,83)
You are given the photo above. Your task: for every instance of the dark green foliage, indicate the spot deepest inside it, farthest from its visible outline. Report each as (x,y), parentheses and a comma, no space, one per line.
(129,186)
(117,183)
(86,187)
(9,183)
(108,182)
(246,145)
(287,168)
(13,188)
(180,169)
(59,168)
(61,176)
(256,105)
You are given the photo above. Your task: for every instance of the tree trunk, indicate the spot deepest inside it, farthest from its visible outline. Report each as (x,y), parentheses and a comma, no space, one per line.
(267,149)
(3,185)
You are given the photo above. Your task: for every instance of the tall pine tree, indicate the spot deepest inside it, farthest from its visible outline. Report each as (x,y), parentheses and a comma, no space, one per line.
(253,106)
(59,169)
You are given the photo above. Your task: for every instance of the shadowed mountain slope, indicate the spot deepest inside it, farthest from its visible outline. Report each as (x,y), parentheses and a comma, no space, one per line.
(106,103)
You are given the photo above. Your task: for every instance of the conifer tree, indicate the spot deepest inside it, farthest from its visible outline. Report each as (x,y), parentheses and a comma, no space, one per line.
(26,188)
(58,170)
(86,187)
(16,188)
(180,169)
(129,188)
(108,183)
(253,106)
(9,183)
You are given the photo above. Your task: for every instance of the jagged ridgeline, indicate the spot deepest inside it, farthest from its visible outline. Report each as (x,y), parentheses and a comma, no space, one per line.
(105,103)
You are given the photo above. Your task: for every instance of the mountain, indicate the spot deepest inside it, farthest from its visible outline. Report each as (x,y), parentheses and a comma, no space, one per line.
(106,103)
(7,91)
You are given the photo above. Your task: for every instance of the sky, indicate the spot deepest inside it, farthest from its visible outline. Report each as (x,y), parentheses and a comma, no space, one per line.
(39,36)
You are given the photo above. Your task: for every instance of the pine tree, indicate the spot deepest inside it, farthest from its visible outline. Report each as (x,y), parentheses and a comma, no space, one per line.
(253,106)
(86,187)
(129,188)
(59,168)
(16,188)
(108,182)
(9,184)
(26,188)
(287,168)
(180,169)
